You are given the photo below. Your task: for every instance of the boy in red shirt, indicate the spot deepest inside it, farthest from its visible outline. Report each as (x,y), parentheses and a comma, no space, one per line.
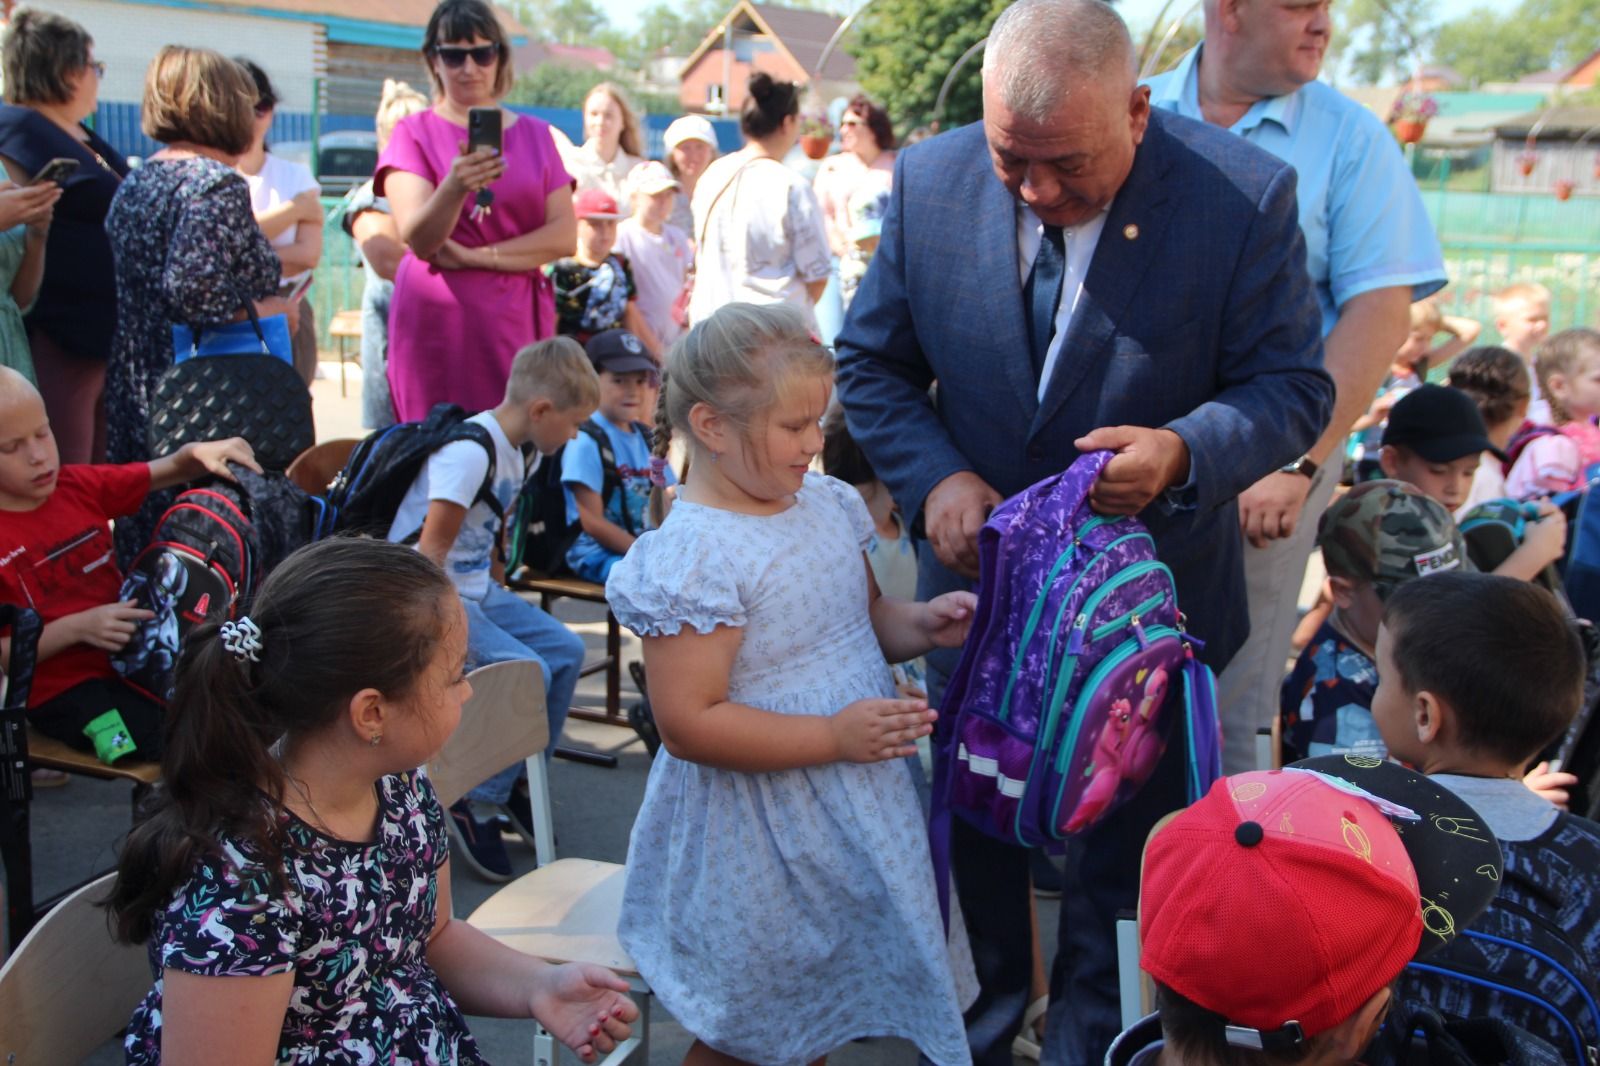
(56,557)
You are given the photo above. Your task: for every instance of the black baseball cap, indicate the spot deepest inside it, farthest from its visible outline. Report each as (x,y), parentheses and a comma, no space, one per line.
(620,352)
(1438,423)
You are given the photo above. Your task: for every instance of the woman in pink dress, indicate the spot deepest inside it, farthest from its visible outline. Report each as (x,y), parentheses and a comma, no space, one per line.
(469,293)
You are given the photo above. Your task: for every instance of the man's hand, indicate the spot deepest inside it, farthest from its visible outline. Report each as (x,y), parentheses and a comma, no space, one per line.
(1148,462)
(1270,509)
(953,513)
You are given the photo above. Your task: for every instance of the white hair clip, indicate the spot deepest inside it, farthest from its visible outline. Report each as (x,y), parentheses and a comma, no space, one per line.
(242,638)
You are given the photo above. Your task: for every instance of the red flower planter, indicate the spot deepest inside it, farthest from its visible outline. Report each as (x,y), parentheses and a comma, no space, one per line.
(815,145)
(1564,189)
(1409,131)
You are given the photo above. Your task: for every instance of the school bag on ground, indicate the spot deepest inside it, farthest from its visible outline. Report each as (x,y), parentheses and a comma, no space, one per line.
(1518,965)
(540,535)
(205,561)
(1075,676)
(366,495)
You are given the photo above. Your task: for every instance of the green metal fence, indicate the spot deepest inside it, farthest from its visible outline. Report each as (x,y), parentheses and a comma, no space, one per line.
(1490,241)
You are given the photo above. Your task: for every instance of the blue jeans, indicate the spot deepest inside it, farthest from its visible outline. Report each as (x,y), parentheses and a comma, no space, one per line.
(503,627)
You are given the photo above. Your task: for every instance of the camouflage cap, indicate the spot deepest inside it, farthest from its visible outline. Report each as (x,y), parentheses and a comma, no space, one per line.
(1388,532)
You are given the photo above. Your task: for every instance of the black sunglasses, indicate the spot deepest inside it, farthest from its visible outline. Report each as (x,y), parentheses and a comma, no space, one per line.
(453,57)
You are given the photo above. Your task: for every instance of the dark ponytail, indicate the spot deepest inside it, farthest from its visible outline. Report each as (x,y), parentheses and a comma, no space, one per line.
(335,617)
(766,104)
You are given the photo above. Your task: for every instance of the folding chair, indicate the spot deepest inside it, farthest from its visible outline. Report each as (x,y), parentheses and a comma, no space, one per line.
(503,721)
(68,987)
(567,909)
(314,468)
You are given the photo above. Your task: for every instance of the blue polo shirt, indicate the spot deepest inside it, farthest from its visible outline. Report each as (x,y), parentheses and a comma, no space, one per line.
(1360,211)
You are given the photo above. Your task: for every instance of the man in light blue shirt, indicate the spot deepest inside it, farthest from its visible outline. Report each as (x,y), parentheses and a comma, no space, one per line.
(1371,251)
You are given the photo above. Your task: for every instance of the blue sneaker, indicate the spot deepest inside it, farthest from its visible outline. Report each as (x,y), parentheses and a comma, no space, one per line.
(478,845)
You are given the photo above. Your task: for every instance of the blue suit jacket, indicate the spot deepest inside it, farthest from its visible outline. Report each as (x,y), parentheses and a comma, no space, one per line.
(1201,320)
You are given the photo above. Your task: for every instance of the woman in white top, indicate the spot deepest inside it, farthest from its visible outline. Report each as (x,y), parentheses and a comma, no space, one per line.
(612,145)
(866,161)
(287,205)
(691,143)
(764,240)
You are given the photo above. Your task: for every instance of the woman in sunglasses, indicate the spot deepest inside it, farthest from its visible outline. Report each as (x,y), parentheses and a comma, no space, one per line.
(477,225)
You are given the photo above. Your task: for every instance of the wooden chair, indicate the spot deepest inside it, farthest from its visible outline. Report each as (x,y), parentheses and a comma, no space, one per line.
(551,589)
(52,754)
(503,721)
(568,912)
(68,987)
(344,327)
(319,464)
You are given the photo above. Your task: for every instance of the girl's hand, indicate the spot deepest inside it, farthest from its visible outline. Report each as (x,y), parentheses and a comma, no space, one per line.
(471,171)
(876,730)
(947,619)
(586,1007)
(1550,786)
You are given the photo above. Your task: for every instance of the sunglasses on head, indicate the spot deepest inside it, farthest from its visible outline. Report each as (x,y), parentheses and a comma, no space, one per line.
(453,56)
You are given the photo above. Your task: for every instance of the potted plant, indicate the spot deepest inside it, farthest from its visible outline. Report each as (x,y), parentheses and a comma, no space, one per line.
(816,134)
(1410,114)
(1527,159)
(1564,188)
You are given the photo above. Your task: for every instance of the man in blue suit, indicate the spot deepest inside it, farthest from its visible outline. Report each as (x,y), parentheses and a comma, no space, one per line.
(1079,273)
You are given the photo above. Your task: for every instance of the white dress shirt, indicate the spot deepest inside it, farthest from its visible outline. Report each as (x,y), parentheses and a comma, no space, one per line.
(1081,241)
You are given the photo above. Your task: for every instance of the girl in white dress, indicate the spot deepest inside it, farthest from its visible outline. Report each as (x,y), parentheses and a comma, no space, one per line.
(780,898)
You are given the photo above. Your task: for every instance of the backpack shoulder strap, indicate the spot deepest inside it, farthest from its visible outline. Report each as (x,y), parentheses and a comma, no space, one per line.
(476,433)
(610,476)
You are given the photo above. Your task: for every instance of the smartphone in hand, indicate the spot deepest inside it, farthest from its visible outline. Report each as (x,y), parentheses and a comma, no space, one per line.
(57,170)
(483,128)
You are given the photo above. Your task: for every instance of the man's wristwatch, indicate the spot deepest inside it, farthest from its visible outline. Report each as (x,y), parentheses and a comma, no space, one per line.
(1302,465)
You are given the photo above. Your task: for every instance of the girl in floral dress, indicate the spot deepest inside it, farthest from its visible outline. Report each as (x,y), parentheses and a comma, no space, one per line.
(292,879)
(780,898)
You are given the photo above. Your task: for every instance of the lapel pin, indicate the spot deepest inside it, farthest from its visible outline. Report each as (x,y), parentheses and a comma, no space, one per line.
(1131,232)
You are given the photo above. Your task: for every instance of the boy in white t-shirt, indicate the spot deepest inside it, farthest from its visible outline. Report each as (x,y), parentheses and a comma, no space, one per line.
(551,392)
(607,469)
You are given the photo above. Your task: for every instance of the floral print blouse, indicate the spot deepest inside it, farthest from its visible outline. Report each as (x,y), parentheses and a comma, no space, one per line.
(353,927)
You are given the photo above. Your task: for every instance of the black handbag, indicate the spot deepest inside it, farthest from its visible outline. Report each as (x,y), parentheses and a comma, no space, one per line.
(259,397)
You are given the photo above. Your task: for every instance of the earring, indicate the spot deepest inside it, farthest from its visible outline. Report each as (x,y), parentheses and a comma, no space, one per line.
(716,457)
(376,738)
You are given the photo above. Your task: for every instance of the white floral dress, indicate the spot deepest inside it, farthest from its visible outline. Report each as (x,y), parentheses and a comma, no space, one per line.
(781,915)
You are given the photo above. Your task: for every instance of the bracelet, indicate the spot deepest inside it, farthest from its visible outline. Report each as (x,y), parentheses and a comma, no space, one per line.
(494,255)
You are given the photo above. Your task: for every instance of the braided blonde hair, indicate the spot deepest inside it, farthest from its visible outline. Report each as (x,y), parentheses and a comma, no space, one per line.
(736,363)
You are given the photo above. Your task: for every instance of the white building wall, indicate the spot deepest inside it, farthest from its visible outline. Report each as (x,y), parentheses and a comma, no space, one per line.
(128,35)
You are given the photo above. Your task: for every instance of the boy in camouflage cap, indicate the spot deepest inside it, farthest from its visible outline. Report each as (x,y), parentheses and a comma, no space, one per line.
(1378,536)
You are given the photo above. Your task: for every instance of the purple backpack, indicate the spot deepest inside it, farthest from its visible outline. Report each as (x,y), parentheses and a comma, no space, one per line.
(1077,668)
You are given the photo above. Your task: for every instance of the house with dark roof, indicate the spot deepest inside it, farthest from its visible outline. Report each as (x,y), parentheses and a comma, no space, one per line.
(786,42)
(1559,144)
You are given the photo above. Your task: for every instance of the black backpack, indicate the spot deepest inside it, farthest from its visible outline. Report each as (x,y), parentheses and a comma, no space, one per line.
(540,534)
(205,561)
(1417,1035)
(1517,965)
(367,493)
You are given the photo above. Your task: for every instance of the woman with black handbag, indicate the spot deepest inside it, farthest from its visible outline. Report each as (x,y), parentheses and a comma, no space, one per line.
(187,248)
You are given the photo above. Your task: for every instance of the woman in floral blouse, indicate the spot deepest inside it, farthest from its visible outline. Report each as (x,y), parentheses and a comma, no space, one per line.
(186,245)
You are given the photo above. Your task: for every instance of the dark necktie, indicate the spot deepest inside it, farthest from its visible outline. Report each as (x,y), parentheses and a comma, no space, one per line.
(1042,294)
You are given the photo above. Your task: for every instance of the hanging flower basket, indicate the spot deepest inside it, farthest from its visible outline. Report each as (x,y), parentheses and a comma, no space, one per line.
(1526,161)
(1597,166)
(816,134)
(1564,189)
(1409,131)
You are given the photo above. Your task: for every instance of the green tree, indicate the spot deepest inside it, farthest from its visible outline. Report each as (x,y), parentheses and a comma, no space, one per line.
(905,48)
(1488,45)
(1380,41)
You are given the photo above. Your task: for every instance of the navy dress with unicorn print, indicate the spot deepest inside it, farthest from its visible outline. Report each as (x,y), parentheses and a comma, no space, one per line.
(353,925)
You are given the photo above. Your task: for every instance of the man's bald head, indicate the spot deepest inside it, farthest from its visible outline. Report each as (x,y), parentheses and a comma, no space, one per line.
(1042,51)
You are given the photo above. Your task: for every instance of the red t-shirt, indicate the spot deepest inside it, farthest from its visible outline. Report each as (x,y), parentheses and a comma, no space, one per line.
(59,560)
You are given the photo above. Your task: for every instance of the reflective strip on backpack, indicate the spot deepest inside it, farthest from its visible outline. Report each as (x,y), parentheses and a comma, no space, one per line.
(984,766)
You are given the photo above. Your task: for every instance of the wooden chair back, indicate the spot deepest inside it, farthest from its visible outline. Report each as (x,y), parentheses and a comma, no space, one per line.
(68,987)
(319,464)
(503,721)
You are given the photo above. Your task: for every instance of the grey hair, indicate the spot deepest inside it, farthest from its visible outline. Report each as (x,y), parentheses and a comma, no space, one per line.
(1040,50)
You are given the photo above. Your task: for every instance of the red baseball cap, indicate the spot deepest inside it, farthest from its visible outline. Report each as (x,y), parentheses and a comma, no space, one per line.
(596,203)
(1284,900)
